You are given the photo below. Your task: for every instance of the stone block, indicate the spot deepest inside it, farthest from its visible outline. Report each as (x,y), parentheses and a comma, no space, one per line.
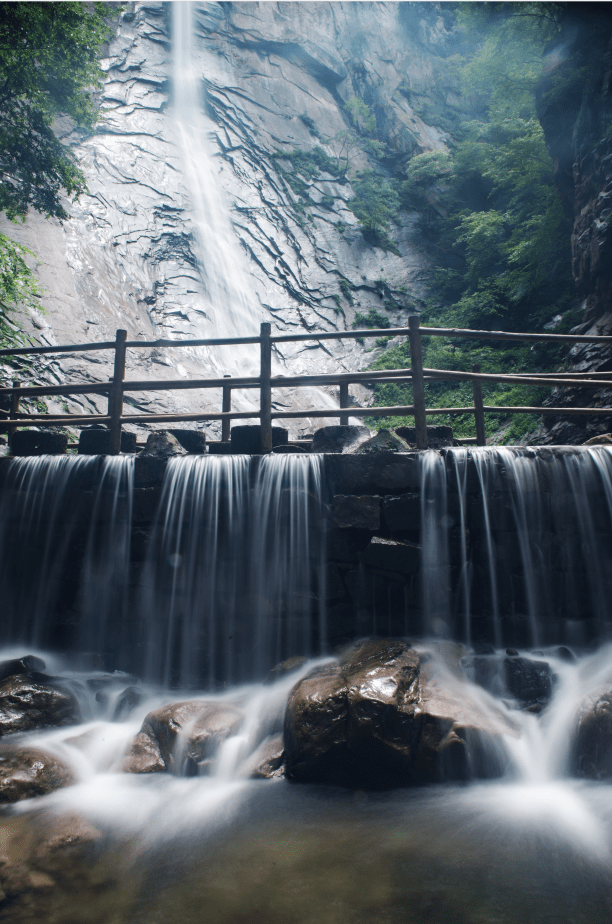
(194,441)
(375,473)
(38,443)
(392,555)
(344,545)
(247,439)
(438,436)
(403,512)
(358,512)
(95,441)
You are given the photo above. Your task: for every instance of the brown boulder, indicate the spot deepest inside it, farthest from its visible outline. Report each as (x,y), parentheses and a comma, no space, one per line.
(382,716)
(266,762)
(181,736)
(27,703)
(28,772)
(591,751)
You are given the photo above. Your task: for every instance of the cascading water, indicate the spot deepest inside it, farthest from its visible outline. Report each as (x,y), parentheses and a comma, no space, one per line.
(227,589)
(228,583)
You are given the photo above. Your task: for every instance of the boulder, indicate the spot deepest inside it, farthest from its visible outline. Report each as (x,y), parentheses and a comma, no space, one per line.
(29,701)
(384,441)
(591,749)
(29,772)
(342,439)
(289,666)
(162,445)
(352,511)
(604,439)
(523,679)
(20,666)
(126,703)
(266,762)
(181,736)
(380,717)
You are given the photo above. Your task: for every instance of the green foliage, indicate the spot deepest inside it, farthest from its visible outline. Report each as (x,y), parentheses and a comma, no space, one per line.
(18,288)
(492,216)
(373,320)
(349,142)
(376,204)
(48,63)
(346,288)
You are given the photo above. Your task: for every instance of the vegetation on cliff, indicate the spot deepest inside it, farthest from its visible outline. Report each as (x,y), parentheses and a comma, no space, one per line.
(491,216)
(48,67)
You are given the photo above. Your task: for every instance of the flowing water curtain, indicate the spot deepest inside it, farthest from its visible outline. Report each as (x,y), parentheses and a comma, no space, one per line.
(228,589)
(286,555)
(195,572)
(104,595)
(44,507)
(435,561)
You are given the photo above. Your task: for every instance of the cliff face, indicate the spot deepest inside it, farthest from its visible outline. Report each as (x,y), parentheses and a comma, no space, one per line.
(274,79)
(575,109)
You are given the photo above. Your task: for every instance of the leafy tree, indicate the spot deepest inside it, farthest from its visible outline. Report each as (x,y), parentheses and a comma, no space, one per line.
(48,63)
(349,142)
(375,204)
(48,66)
(492,216)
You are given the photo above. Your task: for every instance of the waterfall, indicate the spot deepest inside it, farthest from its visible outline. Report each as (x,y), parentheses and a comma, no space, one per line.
(228,582)
(225,294)
(533,530)
(60,514)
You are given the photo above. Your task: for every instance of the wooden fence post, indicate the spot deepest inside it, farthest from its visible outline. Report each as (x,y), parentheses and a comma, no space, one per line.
(115,395)
(13,411)
(226,407)
(418,383)
(479,417)
(344,402)
(265,390)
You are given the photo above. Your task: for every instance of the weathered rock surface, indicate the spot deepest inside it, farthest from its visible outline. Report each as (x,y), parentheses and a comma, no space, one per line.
(277,77)
(266,762)
(392,555)
(20,666)
(380,716)
(438,436)
(403,512)
(162,445)
(351,511)
(339,439)
(591,750)
(384,441)
(289,666)
(28,772)
(27,703)
(185,734)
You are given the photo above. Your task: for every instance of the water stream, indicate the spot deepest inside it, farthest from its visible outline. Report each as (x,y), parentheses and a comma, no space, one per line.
(228,570)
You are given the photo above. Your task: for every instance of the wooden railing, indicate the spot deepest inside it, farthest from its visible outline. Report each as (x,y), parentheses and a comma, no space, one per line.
(417,375)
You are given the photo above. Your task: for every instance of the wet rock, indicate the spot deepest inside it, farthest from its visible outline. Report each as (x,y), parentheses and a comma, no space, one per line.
(144,755)
(591,750)
(193,441)
(289,666)
(339,439)
(384,441)
(38,443)
(20,666)
(126,703)
(65,837)
(162,445)
(392,555)
(403,512)
(565,654)
(289,448)
(28,702)
(512,652)
(605,439)
(528,680)
(29,772)
(381,716)
(186,733)
(352,511)
(266,762)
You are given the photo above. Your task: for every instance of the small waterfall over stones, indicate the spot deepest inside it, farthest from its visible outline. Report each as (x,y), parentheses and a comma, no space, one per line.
(531,539)
(233,580)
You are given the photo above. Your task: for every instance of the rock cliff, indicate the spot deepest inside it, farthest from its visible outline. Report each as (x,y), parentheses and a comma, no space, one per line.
(274,81)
